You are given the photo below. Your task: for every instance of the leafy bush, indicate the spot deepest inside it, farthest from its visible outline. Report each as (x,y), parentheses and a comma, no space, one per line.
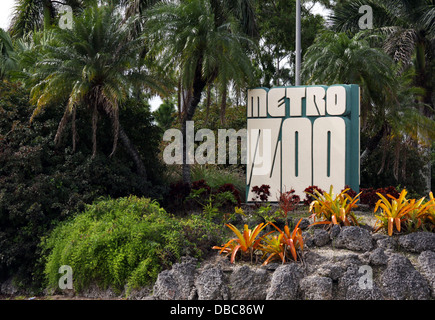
(123,241)
(201,184)
(230,188)
(216,176)
(199,195)
(41,184)
(261,193)
(370,196)
(178,192)
(288,202)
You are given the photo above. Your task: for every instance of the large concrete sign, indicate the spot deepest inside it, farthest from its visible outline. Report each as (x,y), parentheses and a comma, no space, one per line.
(302,136)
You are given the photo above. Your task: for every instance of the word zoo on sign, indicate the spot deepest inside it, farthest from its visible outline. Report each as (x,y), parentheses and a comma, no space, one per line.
(302,136)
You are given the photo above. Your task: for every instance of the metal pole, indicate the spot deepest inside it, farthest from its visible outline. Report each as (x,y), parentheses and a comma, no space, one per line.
(298,44)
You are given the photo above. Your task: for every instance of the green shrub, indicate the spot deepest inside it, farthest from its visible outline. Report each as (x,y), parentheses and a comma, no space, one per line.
(123,241)
(216,176)
(41,184)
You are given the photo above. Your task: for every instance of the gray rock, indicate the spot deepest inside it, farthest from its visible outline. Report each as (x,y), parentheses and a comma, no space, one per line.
(316,288)
(9,288)
(418,241)
(365,257)
(335,231)
(249,283)
(211,285)
(379,236)
(93,291)
(321,237)
(308,239)
(347,260)
(401,281)
(386,243)
(284,284)
(144,293)
(332,271)
(177,283)
(312,258)
(304,224)
(378,257)
(426,260)
(272,266)
(354,238)
(357,283)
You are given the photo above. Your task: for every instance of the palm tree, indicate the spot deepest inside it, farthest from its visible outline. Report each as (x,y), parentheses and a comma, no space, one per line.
(191,37)
(338,58)
(164,115)
(94,65)
(389,104)
(410,30)
(8,58)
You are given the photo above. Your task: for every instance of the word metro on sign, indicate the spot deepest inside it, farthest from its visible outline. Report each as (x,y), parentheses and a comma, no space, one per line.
(302,136)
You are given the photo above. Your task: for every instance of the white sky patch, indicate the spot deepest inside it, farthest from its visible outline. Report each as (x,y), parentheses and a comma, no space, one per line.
(6,10)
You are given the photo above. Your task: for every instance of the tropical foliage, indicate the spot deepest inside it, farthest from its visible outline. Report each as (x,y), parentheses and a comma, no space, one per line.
(283,245)
(334,210)
(118,242)
(247,241)
(398,212)
(76,125)
(215,51)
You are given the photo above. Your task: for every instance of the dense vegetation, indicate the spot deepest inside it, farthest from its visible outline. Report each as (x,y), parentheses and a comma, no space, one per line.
(75,123)
(124,241)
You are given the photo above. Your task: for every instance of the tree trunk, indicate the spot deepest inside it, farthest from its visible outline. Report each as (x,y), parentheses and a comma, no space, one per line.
(208,103)
(223,104)
(198,86)
(423,80)
(132,151)
(47,14)
(179,93)
(373,144)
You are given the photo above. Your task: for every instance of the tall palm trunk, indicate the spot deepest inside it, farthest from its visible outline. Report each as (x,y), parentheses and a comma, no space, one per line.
(423,81)
(207,105)
(198,87)
(223,104)
(48,7)
(373,144)
(132,151)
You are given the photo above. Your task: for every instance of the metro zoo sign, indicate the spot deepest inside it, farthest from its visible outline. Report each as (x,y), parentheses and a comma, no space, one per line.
(302,136)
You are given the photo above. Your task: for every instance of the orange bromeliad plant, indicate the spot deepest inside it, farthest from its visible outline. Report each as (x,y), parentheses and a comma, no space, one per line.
(279,246)
(332,210)
(430,217)
(393,212)
(420,214)
(247,241)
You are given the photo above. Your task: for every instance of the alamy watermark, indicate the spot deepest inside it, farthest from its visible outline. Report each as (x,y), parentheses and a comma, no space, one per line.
(66,280)
(366,20)
(66,17)
(366,280)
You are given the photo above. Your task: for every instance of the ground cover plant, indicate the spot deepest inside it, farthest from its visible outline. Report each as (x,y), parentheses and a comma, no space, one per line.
(125,241)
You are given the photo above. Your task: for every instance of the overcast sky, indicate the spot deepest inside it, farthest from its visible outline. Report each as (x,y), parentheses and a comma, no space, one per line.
(6,8)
